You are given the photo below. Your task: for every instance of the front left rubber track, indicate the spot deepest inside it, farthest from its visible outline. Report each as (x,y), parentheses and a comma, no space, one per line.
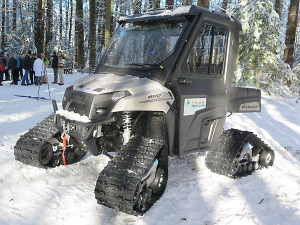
(28,147)
(117,183)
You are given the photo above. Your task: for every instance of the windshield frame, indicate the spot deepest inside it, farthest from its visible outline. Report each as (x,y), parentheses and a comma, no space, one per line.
(147,66)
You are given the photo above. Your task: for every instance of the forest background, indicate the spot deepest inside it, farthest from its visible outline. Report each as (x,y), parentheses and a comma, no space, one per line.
(269,44)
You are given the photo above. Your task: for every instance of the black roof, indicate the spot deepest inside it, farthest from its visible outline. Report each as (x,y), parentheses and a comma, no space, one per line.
(169,14)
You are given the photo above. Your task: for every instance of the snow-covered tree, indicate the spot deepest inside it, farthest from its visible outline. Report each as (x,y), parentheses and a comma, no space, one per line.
(291,32)
(259,60)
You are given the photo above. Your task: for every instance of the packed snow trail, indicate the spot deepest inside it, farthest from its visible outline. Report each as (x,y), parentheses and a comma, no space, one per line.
(194,195)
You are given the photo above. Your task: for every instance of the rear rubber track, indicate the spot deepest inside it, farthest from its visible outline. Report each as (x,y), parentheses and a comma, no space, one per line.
(117,183)
(230,146)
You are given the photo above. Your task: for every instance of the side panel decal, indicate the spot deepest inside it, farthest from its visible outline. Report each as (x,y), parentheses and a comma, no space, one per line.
(191,105)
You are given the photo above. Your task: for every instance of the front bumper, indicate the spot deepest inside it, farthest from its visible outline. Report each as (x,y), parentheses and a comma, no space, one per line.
(80,130)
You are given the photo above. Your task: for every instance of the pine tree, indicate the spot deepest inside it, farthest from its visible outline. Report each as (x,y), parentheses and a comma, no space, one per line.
(157,4)
(23,27)
(137,7)
(203,3)
(188,2)
(278,7)
(79,32)
(49,25)
(101,6)
(224,6)
(92,35)
(60,19)
(291,33)
(260,40)
(7,17)
(108,22)
(3,26)
(39,26)
(170,4)
(14,12)
(71,21)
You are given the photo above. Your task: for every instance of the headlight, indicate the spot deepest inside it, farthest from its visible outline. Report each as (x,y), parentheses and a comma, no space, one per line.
(118,95)
(100,111)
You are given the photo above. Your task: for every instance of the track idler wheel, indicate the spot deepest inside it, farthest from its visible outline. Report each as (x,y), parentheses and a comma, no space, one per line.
(143,198)
(46,154)
(146,195)
(267,158)
(160,181)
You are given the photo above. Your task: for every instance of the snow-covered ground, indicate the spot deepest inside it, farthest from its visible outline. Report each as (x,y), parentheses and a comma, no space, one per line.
(194,195)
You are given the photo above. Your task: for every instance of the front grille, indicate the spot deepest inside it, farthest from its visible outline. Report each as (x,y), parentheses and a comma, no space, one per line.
(77,108)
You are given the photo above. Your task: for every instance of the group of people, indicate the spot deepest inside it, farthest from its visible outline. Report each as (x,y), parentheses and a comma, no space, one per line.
(34,67)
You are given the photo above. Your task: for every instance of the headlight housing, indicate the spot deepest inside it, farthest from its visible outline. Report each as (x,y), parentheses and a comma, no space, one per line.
(118,95)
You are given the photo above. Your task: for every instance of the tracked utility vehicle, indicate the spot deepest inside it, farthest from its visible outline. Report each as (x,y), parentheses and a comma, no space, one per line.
(163,89)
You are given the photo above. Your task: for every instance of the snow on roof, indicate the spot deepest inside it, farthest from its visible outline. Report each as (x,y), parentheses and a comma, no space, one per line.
(177,11)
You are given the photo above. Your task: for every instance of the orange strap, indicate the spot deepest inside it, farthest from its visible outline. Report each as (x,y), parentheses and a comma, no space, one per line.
(64,149)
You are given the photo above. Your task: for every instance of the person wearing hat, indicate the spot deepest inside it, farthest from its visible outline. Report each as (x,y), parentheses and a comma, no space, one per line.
(55,66)
(27,65)
(13,65)
(2,67)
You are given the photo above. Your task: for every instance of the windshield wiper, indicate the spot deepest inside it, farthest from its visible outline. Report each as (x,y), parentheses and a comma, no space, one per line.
(142,64)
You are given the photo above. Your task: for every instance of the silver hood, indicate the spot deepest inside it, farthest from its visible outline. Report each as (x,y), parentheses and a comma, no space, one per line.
(146,94)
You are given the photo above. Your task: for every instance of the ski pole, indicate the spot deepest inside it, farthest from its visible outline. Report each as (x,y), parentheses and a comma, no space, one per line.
(48,84)
(38,89)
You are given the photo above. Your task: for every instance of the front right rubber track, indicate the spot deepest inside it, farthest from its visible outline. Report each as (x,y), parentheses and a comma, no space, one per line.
(117,183)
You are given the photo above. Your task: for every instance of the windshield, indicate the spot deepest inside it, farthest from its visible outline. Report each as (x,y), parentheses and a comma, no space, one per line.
(142,44)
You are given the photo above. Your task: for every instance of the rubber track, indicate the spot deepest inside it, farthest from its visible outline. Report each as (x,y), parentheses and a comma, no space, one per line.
(117,183)
(230,145)
(29,145)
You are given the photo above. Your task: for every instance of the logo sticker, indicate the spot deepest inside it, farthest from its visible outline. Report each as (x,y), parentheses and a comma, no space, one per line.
(191,105)
(250,107)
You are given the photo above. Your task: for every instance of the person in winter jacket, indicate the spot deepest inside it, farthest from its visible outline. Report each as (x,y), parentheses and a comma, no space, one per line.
(20,66)
(27,65)
(61,66)
(13,65)
(33,58)
(6,70)
(55,66)
(46,62)
(2,67)
(39,68)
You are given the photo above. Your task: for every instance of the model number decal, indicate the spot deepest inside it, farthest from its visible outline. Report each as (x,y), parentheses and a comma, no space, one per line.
(154,96)
(191,105)
(157,97)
